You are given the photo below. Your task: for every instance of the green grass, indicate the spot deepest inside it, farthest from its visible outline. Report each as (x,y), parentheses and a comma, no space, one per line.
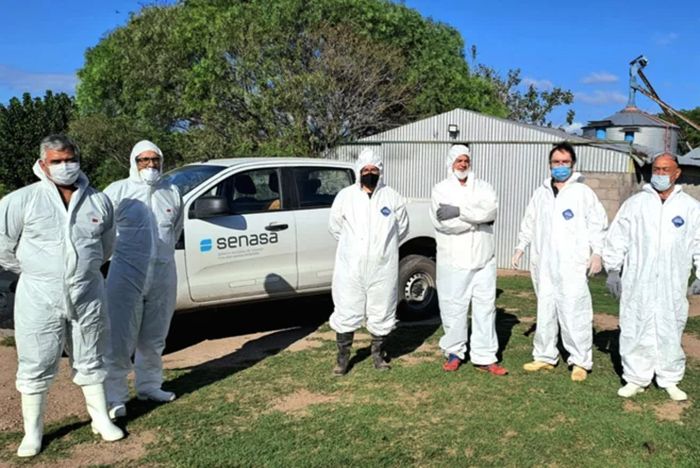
(693,326)
(414,415)
(8,341)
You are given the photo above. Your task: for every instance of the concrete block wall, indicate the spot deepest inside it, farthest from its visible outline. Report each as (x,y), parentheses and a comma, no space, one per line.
(612,189)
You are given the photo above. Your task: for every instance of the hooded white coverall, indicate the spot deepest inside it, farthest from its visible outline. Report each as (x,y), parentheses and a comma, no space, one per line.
(142,281)
(466,266)
(563,232)
(59,300)
(655,245)
(366,273)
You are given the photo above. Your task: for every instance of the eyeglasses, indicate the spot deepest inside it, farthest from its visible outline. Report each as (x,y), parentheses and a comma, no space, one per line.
(147,160)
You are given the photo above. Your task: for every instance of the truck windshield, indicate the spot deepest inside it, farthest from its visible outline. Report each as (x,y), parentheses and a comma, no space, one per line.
(187,178)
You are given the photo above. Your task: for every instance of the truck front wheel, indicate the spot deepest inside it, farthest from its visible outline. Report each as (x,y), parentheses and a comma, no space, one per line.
(417,288)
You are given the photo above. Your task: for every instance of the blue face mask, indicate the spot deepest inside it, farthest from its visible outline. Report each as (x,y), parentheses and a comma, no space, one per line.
(661,183)
(561,173)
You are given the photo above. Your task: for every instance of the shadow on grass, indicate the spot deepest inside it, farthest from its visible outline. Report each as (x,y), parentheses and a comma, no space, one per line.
(608,342)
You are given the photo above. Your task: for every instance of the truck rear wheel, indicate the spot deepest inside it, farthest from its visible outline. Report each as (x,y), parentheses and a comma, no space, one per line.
(417,288)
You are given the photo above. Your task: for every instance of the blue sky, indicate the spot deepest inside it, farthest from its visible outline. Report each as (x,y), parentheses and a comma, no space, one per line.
(584,47)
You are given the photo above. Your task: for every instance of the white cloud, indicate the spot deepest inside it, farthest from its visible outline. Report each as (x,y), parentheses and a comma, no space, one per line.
(599,77)
(539,84)
(573,128)
(36,83)
(664,39)
(599,98)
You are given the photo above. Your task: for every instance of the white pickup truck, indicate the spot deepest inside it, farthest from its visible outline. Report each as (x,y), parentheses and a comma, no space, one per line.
(257,229)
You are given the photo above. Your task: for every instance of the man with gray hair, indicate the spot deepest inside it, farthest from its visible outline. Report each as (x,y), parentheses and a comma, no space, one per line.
(56,234)
(654,240)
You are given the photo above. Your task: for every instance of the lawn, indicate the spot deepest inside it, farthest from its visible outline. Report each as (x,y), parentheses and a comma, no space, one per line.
(288,410)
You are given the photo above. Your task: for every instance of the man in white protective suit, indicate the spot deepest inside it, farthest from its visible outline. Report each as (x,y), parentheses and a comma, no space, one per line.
(369,220)
(463,211)
(56,234)
(142,281)
(564,225)
(654,240)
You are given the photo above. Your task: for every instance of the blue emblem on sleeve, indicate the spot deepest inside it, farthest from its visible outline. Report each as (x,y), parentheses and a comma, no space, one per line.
(567,214)
(678,221)
(386,211)
(205,245)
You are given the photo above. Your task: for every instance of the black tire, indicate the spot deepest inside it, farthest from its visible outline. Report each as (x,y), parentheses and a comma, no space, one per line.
(417,288)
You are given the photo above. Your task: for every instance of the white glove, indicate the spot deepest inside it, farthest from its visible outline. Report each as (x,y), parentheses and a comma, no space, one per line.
(694,289)
(515,261)
(595,265)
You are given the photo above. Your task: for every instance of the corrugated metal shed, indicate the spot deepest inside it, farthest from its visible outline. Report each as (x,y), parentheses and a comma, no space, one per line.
(510,155)
(631,117)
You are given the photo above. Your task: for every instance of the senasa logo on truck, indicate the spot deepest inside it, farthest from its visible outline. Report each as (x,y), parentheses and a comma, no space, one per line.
(235,242)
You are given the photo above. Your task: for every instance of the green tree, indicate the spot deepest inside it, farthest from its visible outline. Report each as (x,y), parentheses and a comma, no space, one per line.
(23,124)
(690,137)
(288,77)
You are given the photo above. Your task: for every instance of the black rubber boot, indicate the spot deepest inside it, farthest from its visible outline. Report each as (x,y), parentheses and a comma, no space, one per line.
(344,343)
(378,353)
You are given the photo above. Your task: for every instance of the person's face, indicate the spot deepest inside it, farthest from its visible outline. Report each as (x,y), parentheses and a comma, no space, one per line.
(369,169)
(462,163)
(148,159)
(561,158)
(54,157)
(664,165)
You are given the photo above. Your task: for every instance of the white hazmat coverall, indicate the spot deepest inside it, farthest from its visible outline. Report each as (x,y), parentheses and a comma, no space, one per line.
(466,266)
(366,273)
(654,244)
(142,281)
(59,301)
(563,233)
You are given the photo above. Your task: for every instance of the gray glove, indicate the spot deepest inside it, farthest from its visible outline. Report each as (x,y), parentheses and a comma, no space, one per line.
(446,212)
(614,283)
(694,288)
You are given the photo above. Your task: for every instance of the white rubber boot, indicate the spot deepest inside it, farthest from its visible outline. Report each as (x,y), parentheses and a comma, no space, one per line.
(629,390)
(33,414)
(676,393)
(96,403)
(157,394)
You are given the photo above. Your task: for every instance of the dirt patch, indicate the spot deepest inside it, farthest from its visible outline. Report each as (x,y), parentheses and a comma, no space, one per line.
(65,398)
(631,407)
(691,345)
(299,401)
(527,319)
(306,343)
(108,453)
(510,434)
(511,272)
(605,322)
(671,410)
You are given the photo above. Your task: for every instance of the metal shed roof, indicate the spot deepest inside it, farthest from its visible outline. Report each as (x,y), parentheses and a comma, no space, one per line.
(630,116)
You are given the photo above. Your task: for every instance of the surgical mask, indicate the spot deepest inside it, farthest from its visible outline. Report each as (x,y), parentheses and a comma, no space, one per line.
(64,173)
(369,180)
(149,175)
(561,173)
(661,183)
(461,175)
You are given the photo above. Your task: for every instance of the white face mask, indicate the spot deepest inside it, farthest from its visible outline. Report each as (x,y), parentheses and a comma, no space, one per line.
(461,175)
(149,175)
(64,173)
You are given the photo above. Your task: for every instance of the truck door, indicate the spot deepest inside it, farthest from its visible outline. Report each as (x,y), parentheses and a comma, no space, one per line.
(316,190)
(250,251)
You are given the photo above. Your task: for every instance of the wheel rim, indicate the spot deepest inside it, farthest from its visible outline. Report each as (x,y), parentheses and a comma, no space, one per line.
(419,289)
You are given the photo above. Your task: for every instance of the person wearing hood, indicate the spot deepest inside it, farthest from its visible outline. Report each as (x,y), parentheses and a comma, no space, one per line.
(654,240)
(368,219)
(463,211)
(56,234)
(142,280)
(564,225)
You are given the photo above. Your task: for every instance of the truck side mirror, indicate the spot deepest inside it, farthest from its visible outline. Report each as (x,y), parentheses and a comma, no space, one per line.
(209,207)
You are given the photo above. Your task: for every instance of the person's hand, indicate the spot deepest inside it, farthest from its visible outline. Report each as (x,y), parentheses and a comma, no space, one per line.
(595,265)
(694,289)
(515,261)
(446,212)
(614,283)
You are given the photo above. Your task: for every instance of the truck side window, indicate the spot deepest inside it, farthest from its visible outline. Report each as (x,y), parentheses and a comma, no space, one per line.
(251,191)
(318,186)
